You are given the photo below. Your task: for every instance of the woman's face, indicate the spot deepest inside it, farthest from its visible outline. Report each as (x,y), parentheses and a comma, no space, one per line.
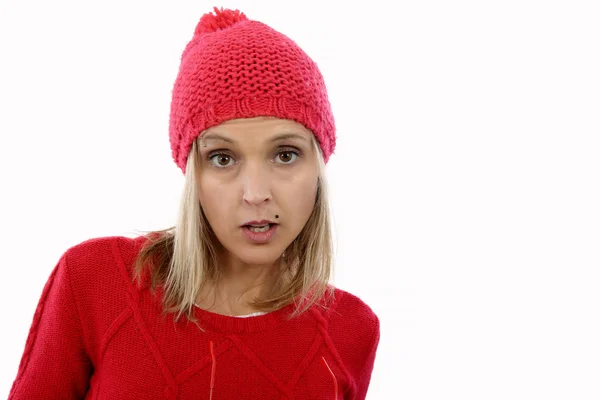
(252,170)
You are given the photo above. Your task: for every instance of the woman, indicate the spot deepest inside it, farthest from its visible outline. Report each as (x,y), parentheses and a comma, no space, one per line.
(234,301)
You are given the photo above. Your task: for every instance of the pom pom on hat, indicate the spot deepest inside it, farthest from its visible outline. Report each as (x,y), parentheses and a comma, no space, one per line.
(221,19)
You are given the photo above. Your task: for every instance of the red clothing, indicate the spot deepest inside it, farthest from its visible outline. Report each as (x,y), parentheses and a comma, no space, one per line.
(95,335)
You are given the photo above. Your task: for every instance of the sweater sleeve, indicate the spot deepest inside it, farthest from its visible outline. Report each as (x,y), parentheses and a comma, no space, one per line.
(54,364)
(364,378)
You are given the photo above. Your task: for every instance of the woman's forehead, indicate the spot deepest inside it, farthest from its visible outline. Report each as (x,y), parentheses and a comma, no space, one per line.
(257,128)
(261,120)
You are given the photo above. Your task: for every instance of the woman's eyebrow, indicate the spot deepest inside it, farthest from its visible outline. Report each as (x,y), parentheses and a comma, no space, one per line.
(216,136)
(286,136)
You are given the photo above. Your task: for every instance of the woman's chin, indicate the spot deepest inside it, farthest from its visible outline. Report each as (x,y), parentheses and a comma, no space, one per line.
(259,256)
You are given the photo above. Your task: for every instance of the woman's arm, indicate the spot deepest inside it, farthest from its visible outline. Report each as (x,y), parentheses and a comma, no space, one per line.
(55,363)
(364,378)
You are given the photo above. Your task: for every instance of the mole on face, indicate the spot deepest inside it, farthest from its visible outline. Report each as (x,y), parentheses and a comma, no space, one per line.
(276,216)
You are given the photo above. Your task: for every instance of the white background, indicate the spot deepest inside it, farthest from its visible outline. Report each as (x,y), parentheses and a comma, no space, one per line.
(465,183)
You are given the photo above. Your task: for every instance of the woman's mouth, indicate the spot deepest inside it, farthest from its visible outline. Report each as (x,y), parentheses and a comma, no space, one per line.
(259,233)
(262,228)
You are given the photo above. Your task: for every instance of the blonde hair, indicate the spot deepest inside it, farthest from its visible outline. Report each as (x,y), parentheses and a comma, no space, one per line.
(183,258)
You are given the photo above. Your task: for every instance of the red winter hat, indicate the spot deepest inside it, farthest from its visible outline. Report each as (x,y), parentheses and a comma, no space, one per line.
(237,68)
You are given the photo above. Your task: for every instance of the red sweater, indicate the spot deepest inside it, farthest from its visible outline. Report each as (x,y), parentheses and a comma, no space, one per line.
(95,335)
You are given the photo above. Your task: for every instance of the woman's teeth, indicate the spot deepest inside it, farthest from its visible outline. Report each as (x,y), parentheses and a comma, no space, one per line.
(263,228)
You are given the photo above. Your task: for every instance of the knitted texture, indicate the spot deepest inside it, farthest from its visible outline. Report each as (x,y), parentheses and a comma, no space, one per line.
(234,67)
(96,335)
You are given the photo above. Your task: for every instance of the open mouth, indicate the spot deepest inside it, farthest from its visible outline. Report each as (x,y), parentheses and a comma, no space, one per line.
(257,229)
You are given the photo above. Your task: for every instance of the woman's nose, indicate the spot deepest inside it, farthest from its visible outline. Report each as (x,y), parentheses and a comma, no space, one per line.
(256,184)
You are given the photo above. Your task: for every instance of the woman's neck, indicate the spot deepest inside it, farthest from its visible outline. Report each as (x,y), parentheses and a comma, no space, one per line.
(238,287)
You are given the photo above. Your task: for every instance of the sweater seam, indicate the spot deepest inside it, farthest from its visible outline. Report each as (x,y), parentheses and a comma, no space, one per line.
(371,348)
(117,256)
(81,328)
(334,307)
(353,381)
(139,320)
(33,334)
(328,342)
(112,330)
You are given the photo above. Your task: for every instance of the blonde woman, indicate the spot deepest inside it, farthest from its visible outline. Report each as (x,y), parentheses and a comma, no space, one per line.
(234,301)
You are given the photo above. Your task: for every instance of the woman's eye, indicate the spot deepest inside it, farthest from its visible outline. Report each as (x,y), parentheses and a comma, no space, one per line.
(221,160)
(287,157)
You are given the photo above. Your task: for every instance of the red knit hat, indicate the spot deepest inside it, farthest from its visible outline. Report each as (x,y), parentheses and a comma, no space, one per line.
(237,68)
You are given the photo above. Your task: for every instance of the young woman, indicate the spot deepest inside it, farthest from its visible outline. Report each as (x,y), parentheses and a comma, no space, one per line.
(233,302)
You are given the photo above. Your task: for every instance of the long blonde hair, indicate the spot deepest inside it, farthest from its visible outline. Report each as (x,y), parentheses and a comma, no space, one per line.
(183,258)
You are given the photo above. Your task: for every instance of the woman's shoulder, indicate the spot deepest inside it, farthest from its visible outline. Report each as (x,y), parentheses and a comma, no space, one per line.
(349,306)
(353,327)
(101,250)
(92,273)
(105,244)
(102,261)
(352,318)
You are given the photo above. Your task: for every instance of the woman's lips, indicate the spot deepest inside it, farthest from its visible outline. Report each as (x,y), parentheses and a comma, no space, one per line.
(259,237)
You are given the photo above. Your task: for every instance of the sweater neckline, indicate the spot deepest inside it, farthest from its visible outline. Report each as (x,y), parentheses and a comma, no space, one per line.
(226,323)
(254,314)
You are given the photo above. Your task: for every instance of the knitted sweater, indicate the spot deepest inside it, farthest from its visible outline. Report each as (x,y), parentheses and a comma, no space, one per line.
(96,335)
